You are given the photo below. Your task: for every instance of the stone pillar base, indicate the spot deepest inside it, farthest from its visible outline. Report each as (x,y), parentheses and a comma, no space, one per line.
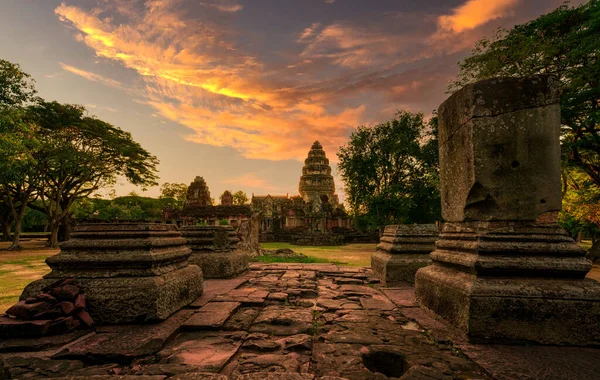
(220,264)
(513,310)
(402,250)
(393,269)
(114,300)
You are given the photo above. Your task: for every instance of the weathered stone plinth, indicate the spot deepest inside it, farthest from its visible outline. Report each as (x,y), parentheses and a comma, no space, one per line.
(402,250)
(503,270)
(214,250)
(512,282)
(129,272)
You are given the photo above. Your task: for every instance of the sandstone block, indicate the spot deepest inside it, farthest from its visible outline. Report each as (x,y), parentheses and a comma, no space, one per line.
(503,270)
(129,272)
(402,250)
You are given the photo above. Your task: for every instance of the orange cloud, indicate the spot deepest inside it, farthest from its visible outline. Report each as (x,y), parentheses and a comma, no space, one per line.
(195,77)
(224,6)
(474,13)
(90,76)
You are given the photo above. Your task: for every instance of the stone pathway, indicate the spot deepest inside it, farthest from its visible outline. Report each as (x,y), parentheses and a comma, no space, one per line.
(290,321)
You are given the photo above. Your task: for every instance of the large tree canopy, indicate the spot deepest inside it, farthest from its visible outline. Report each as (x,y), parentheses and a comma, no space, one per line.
(58,153)
(563,43)
(20,169)
(390,171)
(84,154)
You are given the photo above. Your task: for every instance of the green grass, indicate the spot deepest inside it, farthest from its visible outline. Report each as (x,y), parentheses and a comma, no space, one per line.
(298,247)
(304,260)
(351,254)
(585,244)
(19,268)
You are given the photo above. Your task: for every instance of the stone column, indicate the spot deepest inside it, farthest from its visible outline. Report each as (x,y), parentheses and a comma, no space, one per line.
(214,250)
(503,270)
(129,272)
(402,250)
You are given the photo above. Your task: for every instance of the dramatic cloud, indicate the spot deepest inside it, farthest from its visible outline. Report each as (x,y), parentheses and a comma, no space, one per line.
(90,76)
(201,69)
(474,13)
(224,6)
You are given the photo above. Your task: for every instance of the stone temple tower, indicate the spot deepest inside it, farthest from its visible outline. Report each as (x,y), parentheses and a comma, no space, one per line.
(316,184)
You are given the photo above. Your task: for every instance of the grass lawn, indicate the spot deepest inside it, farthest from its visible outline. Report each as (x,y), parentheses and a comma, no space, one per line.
(351,254)
(17,269)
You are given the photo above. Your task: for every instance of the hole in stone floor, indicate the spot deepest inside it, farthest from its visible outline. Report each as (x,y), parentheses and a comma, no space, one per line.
(388,363)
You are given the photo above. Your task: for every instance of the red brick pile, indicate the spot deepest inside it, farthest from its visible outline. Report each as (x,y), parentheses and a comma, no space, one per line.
(57,309)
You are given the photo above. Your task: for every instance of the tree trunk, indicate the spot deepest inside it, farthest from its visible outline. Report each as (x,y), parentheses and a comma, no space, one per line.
(53,242)
(6,231)
(16,244)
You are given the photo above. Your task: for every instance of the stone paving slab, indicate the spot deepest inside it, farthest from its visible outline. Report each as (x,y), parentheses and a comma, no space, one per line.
(211,316)
(292,321)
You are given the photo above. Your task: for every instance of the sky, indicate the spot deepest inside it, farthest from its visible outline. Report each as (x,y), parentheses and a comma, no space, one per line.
(237,91)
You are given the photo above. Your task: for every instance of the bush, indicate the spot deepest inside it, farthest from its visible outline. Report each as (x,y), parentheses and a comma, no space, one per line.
(223,222)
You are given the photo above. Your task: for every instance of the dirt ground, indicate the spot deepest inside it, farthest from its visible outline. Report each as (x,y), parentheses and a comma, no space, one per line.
(19,268)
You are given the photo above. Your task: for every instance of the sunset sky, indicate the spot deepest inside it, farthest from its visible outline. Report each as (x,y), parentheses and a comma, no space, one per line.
(236,91)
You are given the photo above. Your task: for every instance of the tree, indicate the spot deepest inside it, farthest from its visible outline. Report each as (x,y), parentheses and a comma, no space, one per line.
(20,173)
(581,207)
(240,198)
(390,171)
(174,195)
(17,146)
(83,155)
(16,87)
(563,43)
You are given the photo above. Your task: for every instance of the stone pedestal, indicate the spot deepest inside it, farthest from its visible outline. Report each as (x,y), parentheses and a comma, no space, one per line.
(129,272)
(503,270)
(402,250)
(214,250)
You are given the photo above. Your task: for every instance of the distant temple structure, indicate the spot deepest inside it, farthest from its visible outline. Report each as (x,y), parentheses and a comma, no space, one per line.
(198,194)
(314,217)
(315,209)
(198,207)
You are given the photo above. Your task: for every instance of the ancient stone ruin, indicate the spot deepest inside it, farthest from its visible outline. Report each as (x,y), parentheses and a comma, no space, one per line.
(402,250)
(214,250)
(198,194)
(503,270)
(198,208)
(227,198)
(129,272)
(316,210)
(57,309)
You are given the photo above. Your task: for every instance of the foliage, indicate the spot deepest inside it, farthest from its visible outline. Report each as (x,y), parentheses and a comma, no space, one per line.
(130,207)
(20,170)
(177,191)
(390,171)
(240,198)
(223,222)
(581,205)
(563,43)
(83,155)
(16,87)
